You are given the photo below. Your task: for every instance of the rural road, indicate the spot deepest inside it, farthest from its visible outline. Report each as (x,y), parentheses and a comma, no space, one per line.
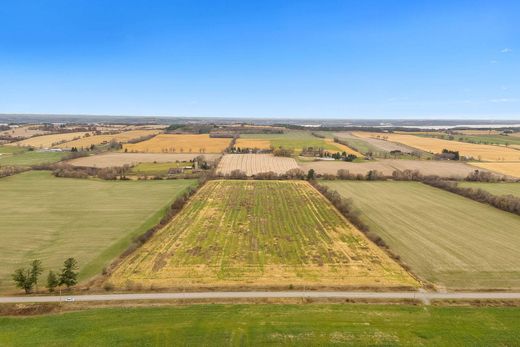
(423,296)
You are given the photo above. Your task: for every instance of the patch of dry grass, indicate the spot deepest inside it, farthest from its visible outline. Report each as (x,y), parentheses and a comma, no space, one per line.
(259,234)
(49,141)
(123,137)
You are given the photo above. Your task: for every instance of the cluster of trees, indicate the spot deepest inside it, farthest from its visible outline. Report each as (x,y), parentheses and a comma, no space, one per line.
(109,173)
(141,139)
(484,176)
(314,152)
(223,134)
(191,128)
(344,156)
(343,174)
(249,150)
(26,278)
(292,174)
(283,152)
(10,170)
(448,155)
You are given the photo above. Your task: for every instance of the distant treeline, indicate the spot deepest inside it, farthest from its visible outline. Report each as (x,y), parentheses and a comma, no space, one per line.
(348,128)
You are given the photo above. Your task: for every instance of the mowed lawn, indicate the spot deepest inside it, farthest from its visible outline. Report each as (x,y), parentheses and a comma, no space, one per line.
(445,238)
(258,234)
(48,218)
(501,188)
(274,325)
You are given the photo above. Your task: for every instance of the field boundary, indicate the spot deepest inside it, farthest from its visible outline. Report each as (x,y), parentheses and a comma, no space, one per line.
(347,210)
(171,210)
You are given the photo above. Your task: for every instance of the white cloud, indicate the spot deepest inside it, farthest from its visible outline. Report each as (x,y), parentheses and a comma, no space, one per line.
(506,50)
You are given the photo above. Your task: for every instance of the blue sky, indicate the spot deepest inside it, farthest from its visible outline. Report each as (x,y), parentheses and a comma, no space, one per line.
(320,59)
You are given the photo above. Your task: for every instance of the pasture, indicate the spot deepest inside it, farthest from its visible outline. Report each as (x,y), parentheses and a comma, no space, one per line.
(252,164)
(19,156)
(434,145)
(48,218)
(258,234)
(445,238)
(49,141)
(294,139)
(119,159)
(448,169)
(499,188)
(508,168)
(157,169)
(86,142)
(274,325)
(174,143)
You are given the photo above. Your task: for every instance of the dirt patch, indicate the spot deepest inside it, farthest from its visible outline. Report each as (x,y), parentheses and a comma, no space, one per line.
(387,166)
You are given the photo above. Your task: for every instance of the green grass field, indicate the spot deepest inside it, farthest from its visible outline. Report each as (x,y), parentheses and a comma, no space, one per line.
(293,139)
(258,234)
(495,188)
(445,238)
(157,169)
(16,156)
(274,325)
(48,218)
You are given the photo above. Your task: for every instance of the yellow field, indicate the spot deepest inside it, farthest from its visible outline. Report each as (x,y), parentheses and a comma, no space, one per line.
(433,145)
(48,141)
(125,136)
(252,143)
(174,143)
(274,234)
(343,148)
(510,169)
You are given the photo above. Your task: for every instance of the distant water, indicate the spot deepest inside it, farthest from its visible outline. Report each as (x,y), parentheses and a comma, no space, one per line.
(454,126)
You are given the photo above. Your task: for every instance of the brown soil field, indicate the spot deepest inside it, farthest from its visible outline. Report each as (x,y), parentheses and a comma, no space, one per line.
(173,143)
(258,234)
(252,143)
(387,166)
(253,164)
(433,145)
(510,169)
(123,137)
(120,159)
(22,131)
(49,141)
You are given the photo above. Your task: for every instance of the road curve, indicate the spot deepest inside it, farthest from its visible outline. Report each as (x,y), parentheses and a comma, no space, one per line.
(423,296)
